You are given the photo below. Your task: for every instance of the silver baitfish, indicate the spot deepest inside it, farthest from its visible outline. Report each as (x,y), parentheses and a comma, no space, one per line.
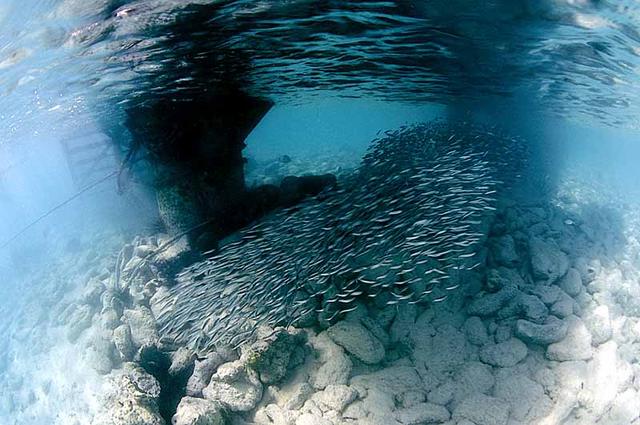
(399,230)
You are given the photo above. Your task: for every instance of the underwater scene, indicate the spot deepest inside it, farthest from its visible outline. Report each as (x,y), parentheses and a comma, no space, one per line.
(319,212)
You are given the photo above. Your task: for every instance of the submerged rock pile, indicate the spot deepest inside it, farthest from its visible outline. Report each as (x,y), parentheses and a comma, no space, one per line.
(404,228)
(517,347)
(545,331)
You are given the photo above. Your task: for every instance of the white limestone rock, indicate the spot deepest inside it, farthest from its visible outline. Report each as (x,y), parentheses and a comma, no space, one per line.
(437,357)
(376,330)
(334,397)
(625,409)
(503,332)
(133,399)
(78,321)
(334,365)
(482,409)
(182,364)
(358,341)
(564,307)
(393,381)
(273,414)
(588,269)
(422,329)
(504,354)
(143,326)
(598,322)
(411,398)
(489,304)
(503,277)
(311,419)
(272,352)
(547,294)
(472,378)
(476,331)
(503,251)
(553,330)
(527,399)
(377,404)
(571,283)
(575,346)
(443,394)
(202,371)
(548,262)
(92,292)
(385,315)
(235,386)
(403,322)
(298,395)
(109,318)
(423,413)
(525,306)
(198,411)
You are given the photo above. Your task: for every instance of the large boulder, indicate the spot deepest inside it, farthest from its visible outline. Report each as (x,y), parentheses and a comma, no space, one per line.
(402,323)
(133,400)
(393,380)
(182,364)
(276,415)
(503,251)
(203,370)
(143,326)
(553,330)
(482,409)
(270,356)
(78,321)
(571,283)
(598,322)
(575,346)
(504,354)
(123,343)
(422,413)
(489,304)
(198,411)
(235,386)
(548,262)
(174,255)
(564,307)
(358,341)
(472,378)
(526,398)
(295,397)
(437,356)
(588,269)
(334,365)
(607,375)
(335,397)
(525,306)
(547,294)
(476,331)
(625,409)
(376,330)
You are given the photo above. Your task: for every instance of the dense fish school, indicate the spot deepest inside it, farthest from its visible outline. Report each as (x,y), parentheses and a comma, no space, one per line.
(402,229)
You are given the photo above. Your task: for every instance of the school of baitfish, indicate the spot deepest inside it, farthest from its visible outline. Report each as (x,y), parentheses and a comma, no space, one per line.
(401,229)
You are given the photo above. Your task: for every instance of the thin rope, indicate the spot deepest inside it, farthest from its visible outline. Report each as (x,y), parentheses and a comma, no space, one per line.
(57,207)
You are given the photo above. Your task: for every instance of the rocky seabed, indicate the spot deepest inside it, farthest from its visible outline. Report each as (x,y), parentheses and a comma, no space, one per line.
(547,333)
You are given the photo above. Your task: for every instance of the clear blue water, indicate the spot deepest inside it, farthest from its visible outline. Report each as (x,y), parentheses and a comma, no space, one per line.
(563,74)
